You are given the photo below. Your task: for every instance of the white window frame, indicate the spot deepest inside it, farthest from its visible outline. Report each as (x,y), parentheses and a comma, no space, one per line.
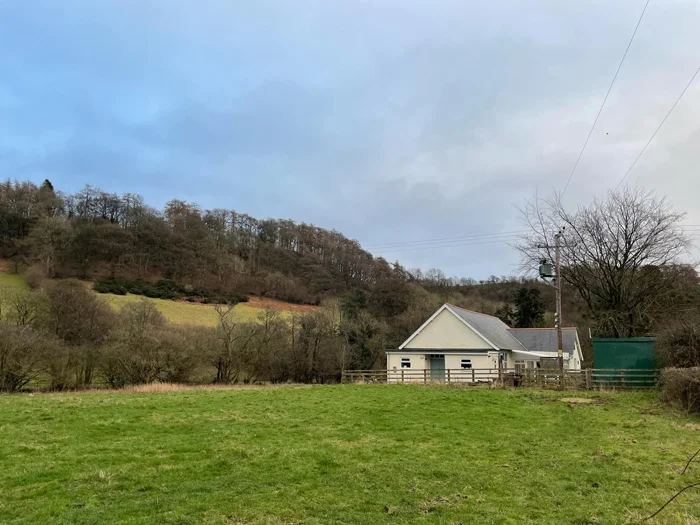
(466,364)
(519,365)
(405,362)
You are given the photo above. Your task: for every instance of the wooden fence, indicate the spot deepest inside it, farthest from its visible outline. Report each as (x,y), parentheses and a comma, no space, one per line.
(532,377)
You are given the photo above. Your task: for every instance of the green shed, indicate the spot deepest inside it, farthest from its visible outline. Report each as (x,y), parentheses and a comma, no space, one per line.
(631,353)
(635,353)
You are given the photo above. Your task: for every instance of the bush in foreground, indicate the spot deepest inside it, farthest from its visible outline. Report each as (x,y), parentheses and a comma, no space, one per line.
(681,386)
(678,344)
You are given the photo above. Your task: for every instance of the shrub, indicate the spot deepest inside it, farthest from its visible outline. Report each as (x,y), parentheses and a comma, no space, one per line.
(24,308)
(75,315)
(22,353)
(34,275)
(678,344)
(165,289)
(145,349)
(681,386)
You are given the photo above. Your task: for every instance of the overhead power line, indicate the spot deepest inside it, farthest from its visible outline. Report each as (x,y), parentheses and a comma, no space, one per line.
(694,235)
(474,240)
(605,99)
(460,238)
(504,241)
(657,129)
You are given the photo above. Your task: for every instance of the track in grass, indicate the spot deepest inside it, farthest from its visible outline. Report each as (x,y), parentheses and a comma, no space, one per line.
(344,454)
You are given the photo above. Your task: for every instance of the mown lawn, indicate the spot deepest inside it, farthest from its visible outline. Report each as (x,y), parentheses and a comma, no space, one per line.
(342,454)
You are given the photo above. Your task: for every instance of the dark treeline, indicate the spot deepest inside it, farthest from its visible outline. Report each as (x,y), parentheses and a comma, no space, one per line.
(95,233)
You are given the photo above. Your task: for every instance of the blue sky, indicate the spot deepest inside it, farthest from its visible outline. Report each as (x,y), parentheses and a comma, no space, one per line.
(390,121)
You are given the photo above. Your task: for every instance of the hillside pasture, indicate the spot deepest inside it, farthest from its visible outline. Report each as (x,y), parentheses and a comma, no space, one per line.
(13,281)
(181,312)
(347,454)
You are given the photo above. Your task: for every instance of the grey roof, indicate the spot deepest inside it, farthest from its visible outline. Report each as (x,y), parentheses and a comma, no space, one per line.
(545,339)
(492,328)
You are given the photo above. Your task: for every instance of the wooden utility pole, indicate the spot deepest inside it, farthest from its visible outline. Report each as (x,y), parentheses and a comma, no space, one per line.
(558,320)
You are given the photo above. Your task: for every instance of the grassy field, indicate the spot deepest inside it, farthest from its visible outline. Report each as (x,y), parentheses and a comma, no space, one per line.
(179,312)
(13,281)
(342,454)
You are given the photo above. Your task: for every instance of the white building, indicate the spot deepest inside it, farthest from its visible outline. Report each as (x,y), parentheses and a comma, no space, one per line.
(461,345)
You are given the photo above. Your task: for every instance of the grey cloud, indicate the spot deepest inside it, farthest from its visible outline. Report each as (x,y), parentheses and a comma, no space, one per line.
(389,121)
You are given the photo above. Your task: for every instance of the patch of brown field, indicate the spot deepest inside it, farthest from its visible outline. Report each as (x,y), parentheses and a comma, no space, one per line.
(157,388)
(586,400)
(272,304)
(578,400)
(4,266)
(160,388)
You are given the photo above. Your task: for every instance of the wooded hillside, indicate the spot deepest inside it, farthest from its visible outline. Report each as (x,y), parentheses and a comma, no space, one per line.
(46,233)
(94,233)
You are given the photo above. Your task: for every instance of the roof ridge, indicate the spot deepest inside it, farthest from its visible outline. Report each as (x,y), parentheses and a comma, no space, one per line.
(473,312)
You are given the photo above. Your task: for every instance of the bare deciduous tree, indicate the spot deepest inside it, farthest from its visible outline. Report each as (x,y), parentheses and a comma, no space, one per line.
(621,254)
(229,346)
(22,349)
(23,308)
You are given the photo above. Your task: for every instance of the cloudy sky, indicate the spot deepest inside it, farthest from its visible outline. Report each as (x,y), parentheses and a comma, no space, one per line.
(389,120)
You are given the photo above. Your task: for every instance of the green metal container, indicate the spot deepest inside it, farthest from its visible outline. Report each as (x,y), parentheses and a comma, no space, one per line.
(627,355)
(632,353)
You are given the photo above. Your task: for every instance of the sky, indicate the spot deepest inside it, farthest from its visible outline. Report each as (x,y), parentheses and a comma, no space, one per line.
(391,121)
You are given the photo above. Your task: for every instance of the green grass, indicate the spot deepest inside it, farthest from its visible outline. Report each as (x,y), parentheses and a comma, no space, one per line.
(181,312)
(13,281)
(342,454)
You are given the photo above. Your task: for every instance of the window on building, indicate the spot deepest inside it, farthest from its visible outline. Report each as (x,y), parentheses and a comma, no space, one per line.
(466,364)
(519,365)
(531,364)
(405,362)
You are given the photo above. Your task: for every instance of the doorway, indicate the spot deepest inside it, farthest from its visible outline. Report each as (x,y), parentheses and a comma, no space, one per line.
(437,367)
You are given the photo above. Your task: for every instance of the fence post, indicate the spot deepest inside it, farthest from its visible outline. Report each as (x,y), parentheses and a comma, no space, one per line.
(473,376)
(588,379)
(402,376)
(448,376)
(622,378)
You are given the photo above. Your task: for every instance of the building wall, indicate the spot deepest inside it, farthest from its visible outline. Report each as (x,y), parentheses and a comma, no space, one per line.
(570,363)
(413,374)
(445,332)
(420,363)
(454,361)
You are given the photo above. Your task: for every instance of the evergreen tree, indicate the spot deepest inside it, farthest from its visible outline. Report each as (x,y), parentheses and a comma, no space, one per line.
(529,308)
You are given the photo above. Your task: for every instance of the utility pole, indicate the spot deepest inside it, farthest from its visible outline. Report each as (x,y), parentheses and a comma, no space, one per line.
(558,320)
(547,272)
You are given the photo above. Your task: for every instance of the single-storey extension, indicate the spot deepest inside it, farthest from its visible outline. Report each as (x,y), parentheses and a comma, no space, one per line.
(460,344)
